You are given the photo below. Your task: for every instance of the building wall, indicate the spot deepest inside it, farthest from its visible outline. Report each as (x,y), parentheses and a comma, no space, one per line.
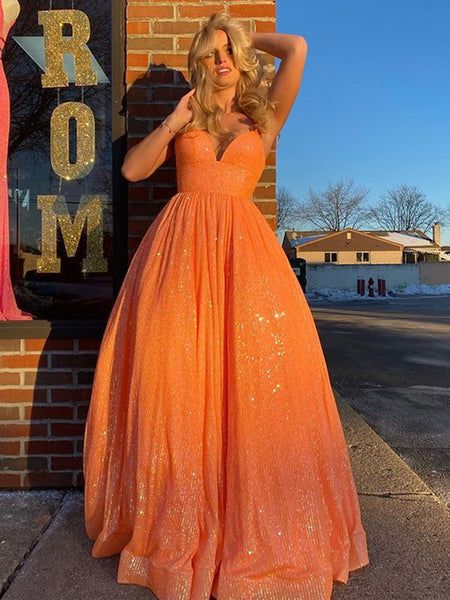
(434,273)
(45,386)
(158,39)
(349,257)
(288,249)
(344,277)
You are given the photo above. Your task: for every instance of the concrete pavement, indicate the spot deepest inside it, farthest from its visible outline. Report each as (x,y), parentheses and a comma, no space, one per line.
(44,551)
(390,360)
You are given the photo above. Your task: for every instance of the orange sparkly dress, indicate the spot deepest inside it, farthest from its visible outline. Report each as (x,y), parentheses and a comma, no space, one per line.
(214,457)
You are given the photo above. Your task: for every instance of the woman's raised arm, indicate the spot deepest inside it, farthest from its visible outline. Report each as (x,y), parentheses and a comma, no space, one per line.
(292,50)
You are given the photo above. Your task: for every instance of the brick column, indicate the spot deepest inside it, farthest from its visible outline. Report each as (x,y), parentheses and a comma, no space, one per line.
(158,38)
(45,387)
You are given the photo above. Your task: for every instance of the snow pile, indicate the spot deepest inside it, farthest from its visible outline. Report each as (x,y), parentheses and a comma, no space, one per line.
(326,295)
(332,295)
(428,290)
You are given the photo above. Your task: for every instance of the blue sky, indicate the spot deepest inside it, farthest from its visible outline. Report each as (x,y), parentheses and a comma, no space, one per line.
(375,98)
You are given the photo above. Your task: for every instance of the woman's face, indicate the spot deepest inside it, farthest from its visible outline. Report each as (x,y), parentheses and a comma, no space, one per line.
(220,63)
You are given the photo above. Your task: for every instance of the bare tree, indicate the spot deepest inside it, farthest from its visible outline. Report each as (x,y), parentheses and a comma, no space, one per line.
(286,207)
(405,207)
(340,205)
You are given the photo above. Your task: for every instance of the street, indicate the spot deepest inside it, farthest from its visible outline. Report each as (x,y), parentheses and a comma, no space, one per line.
(390,360)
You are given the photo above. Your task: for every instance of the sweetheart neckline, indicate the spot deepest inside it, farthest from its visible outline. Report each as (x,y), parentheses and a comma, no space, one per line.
(210,137)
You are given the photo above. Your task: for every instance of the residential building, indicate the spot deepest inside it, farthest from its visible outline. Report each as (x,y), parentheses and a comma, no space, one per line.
(353,246)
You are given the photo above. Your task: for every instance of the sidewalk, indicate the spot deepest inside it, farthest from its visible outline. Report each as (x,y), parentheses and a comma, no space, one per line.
(45,554)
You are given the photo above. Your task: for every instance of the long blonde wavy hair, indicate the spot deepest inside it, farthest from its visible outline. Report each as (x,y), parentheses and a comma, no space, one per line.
(252,88)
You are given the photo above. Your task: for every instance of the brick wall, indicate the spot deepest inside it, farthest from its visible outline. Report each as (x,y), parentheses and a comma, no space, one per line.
(158,38)
(45,388)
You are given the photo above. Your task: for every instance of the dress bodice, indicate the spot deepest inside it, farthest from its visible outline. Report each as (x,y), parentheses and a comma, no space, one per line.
(237,171)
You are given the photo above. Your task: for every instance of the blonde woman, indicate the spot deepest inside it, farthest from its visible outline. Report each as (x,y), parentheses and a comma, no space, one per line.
(214,458)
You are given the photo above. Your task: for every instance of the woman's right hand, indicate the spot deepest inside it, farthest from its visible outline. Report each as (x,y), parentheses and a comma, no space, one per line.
(182,113)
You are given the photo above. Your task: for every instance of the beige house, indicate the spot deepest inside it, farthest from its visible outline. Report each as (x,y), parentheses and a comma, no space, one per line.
(352,246)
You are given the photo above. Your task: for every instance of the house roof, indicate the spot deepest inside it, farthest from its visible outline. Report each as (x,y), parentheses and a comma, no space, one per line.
(411,238)
(293,234)
(304,241)
(412,232)
(408,240)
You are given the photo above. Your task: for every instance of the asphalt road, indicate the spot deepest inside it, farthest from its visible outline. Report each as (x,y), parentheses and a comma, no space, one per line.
(390,360)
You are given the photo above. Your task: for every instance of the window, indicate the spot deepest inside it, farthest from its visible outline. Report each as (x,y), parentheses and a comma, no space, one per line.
(60,159)
(362,257)
(330,256)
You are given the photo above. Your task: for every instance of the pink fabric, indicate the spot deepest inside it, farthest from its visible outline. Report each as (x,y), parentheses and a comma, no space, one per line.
(9,311)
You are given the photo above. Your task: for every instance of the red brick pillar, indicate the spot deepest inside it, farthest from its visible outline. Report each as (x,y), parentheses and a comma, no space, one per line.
(158,38)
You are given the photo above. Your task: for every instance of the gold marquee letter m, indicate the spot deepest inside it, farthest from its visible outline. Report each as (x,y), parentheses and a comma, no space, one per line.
(54,211)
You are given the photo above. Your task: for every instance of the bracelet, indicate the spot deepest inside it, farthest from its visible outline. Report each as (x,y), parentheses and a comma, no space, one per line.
(165,124)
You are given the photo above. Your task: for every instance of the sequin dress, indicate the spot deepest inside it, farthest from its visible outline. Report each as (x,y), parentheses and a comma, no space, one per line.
(214,456)
(9,310)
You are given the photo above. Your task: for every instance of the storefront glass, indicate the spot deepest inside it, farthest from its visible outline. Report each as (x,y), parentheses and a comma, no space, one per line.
(57,61)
